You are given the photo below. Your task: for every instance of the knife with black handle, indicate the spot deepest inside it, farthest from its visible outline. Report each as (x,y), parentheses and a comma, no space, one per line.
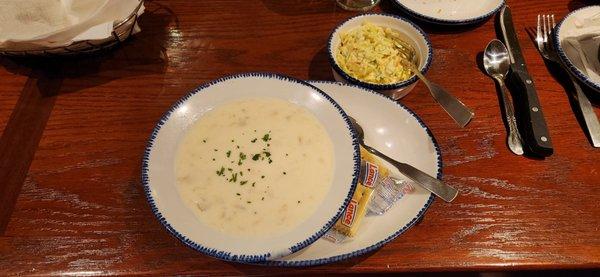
(529,112)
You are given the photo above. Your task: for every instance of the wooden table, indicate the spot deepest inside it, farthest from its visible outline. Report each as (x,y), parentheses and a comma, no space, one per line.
(74,132)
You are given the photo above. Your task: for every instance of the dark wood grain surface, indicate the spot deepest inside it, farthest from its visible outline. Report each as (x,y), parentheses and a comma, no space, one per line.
(73,133)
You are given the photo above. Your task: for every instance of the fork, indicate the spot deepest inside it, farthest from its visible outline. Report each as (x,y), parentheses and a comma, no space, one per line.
(545,43)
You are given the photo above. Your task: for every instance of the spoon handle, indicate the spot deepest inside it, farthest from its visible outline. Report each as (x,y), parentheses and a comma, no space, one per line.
(461,114)
(458,111)
(514,138)
(437,187)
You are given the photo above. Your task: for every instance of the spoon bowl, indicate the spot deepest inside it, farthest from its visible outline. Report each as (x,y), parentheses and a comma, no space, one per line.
(495,59)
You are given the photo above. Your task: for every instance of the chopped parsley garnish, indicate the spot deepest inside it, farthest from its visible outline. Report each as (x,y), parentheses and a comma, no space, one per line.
(234,173)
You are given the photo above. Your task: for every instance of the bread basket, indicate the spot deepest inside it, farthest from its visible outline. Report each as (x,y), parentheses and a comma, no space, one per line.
(121,31)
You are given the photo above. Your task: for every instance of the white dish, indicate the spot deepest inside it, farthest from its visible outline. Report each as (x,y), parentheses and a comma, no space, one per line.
(411,33)
(563,28)
(398,132)
(158,170)
(451,12)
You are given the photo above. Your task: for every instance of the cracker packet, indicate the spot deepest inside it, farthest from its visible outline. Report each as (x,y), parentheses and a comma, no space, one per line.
(375,194)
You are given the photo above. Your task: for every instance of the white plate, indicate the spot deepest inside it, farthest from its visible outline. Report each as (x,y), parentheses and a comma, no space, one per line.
(451,12)
(158,170)
(398,132)
(561,31)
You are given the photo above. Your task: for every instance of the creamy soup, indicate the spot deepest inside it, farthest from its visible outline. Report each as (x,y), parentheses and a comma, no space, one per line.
(255,167)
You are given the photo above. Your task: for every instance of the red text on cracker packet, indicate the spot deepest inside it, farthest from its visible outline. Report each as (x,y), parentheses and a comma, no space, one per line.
(350,213)
(371,175)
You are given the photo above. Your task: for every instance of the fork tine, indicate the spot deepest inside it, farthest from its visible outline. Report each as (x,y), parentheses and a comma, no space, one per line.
(552,24)
(539,28)
(545,29)
(549,20)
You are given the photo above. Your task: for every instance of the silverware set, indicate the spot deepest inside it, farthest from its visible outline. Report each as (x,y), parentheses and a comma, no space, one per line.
(527,131)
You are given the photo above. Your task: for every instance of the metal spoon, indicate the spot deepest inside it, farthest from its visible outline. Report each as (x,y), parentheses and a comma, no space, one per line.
(458,111)
(496,62)
(437,187)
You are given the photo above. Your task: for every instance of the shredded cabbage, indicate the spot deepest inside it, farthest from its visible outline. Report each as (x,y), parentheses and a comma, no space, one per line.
(375,54)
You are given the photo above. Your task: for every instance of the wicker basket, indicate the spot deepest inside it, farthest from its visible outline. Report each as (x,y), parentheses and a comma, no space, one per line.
(121,31)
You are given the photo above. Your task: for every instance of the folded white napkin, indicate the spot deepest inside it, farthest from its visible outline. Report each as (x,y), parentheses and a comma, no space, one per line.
(29,24)
(581,44)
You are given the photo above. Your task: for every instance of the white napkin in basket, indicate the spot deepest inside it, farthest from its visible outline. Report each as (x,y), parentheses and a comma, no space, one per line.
(53,23)
(581,45)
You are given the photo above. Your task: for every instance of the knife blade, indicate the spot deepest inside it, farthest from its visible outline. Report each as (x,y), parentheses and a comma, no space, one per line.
(529,111)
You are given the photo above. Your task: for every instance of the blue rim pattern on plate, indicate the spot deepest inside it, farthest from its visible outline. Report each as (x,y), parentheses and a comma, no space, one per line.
(565,60)
(449,22)
(401,230)
(355,81)
(223,255)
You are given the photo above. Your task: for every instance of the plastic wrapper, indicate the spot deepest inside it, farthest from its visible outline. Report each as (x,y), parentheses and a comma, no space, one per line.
(375,194)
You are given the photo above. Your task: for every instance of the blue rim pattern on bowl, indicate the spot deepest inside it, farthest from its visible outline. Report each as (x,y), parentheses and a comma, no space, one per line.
(439,21)
(563,57)
(223,255)
(401,230)
(355,81)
